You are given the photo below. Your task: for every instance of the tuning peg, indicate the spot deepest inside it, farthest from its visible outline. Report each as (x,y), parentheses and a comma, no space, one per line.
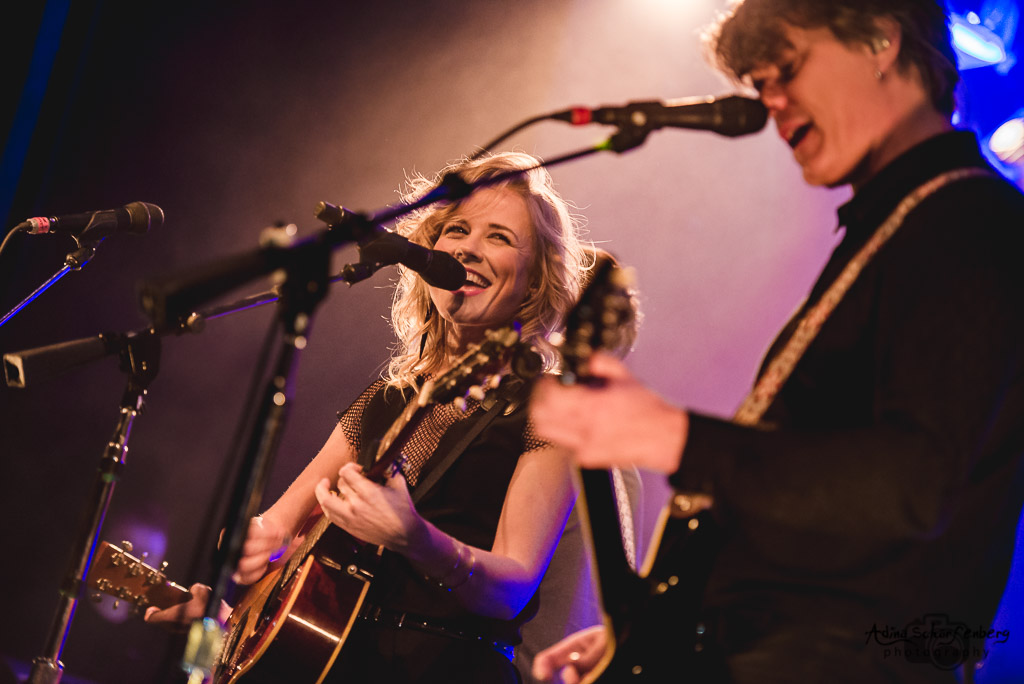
(476,392)
(493,381)
(163,566)
(116,603)
(126,545)
(460,403)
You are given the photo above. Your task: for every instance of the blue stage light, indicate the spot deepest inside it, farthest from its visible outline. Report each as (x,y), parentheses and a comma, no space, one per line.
(976,44)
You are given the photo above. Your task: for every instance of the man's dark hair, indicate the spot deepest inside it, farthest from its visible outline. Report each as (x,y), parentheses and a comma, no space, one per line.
(752,33)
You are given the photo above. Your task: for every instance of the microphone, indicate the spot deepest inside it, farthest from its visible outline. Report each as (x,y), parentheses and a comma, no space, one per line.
(732,116)
(380,247)
(137,217)
(383,248)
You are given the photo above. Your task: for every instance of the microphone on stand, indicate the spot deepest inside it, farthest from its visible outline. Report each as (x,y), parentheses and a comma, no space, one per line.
(732,116)
(379,247)
(137,217)
(437,268)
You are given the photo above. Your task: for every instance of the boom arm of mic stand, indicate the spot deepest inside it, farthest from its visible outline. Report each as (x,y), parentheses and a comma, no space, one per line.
(195,322)
(453,187)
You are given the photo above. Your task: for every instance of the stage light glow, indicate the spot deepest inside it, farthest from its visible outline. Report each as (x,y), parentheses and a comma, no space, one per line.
(1007,142)
(150,543)
(975,42)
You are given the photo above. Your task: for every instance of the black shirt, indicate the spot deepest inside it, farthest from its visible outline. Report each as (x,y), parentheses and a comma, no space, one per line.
(466,502)
(888,485)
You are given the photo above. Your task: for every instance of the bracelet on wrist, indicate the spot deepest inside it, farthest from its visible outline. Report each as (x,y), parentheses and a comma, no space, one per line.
(461,570)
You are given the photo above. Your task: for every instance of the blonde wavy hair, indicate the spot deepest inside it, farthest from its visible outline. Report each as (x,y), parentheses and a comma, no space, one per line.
(559,266)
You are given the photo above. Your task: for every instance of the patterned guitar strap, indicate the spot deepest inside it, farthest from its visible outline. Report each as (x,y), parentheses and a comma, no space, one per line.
(781,366)
(768,385)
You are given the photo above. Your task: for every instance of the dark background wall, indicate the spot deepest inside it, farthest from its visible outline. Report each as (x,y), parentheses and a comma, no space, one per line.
(232,116)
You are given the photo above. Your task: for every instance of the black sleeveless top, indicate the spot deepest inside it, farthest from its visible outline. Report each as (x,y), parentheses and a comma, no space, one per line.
(465,502)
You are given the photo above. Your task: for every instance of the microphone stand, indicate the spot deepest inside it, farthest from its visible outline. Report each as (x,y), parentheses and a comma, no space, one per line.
(304,288)
(140,358)
(72,262)
(139,352)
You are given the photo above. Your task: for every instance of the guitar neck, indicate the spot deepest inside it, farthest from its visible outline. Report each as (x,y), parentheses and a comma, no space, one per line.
(616,579)
(389,452)
(297,558)
(600,321)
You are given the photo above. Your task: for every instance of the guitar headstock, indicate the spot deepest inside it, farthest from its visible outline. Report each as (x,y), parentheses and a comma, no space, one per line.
(604,318)
(115,571)
(480,367)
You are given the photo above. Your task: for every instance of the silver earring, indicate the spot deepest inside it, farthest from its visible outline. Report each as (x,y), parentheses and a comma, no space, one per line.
(878,74)
(879,44)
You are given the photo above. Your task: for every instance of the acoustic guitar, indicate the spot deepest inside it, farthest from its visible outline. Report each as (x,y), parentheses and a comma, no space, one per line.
(292,624)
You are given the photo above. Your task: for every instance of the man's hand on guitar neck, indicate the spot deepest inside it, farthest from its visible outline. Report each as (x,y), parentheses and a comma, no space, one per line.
(614,423)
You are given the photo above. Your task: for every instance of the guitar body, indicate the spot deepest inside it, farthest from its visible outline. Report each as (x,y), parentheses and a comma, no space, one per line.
(292,629)
(653,617)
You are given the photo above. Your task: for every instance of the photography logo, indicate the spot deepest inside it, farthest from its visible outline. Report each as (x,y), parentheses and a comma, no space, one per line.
(935,639)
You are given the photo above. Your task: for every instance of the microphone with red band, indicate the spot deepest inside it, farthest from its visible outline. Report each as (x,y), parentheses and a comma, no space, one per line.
(731,116)
(137,217)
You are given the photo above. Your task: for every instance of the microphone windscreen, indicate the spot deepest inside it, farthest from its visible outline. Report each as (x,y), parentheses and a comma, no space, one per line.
(740,116)
(443,270)
(142,216)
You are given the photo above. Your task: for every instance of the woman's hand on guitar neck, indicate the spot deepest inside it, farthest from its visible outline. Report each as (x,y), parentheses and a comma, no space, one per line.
(377,514)
(572,657)
(183,614)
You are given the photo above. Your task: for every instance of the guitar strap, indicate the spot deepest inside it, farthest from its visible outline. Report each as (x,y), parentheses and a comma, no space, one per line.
(777,372)
(509,395)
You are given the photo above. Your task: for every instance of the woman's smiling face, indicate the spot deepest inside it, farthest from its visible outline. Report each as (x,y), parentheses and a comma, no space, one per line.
(492,235)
